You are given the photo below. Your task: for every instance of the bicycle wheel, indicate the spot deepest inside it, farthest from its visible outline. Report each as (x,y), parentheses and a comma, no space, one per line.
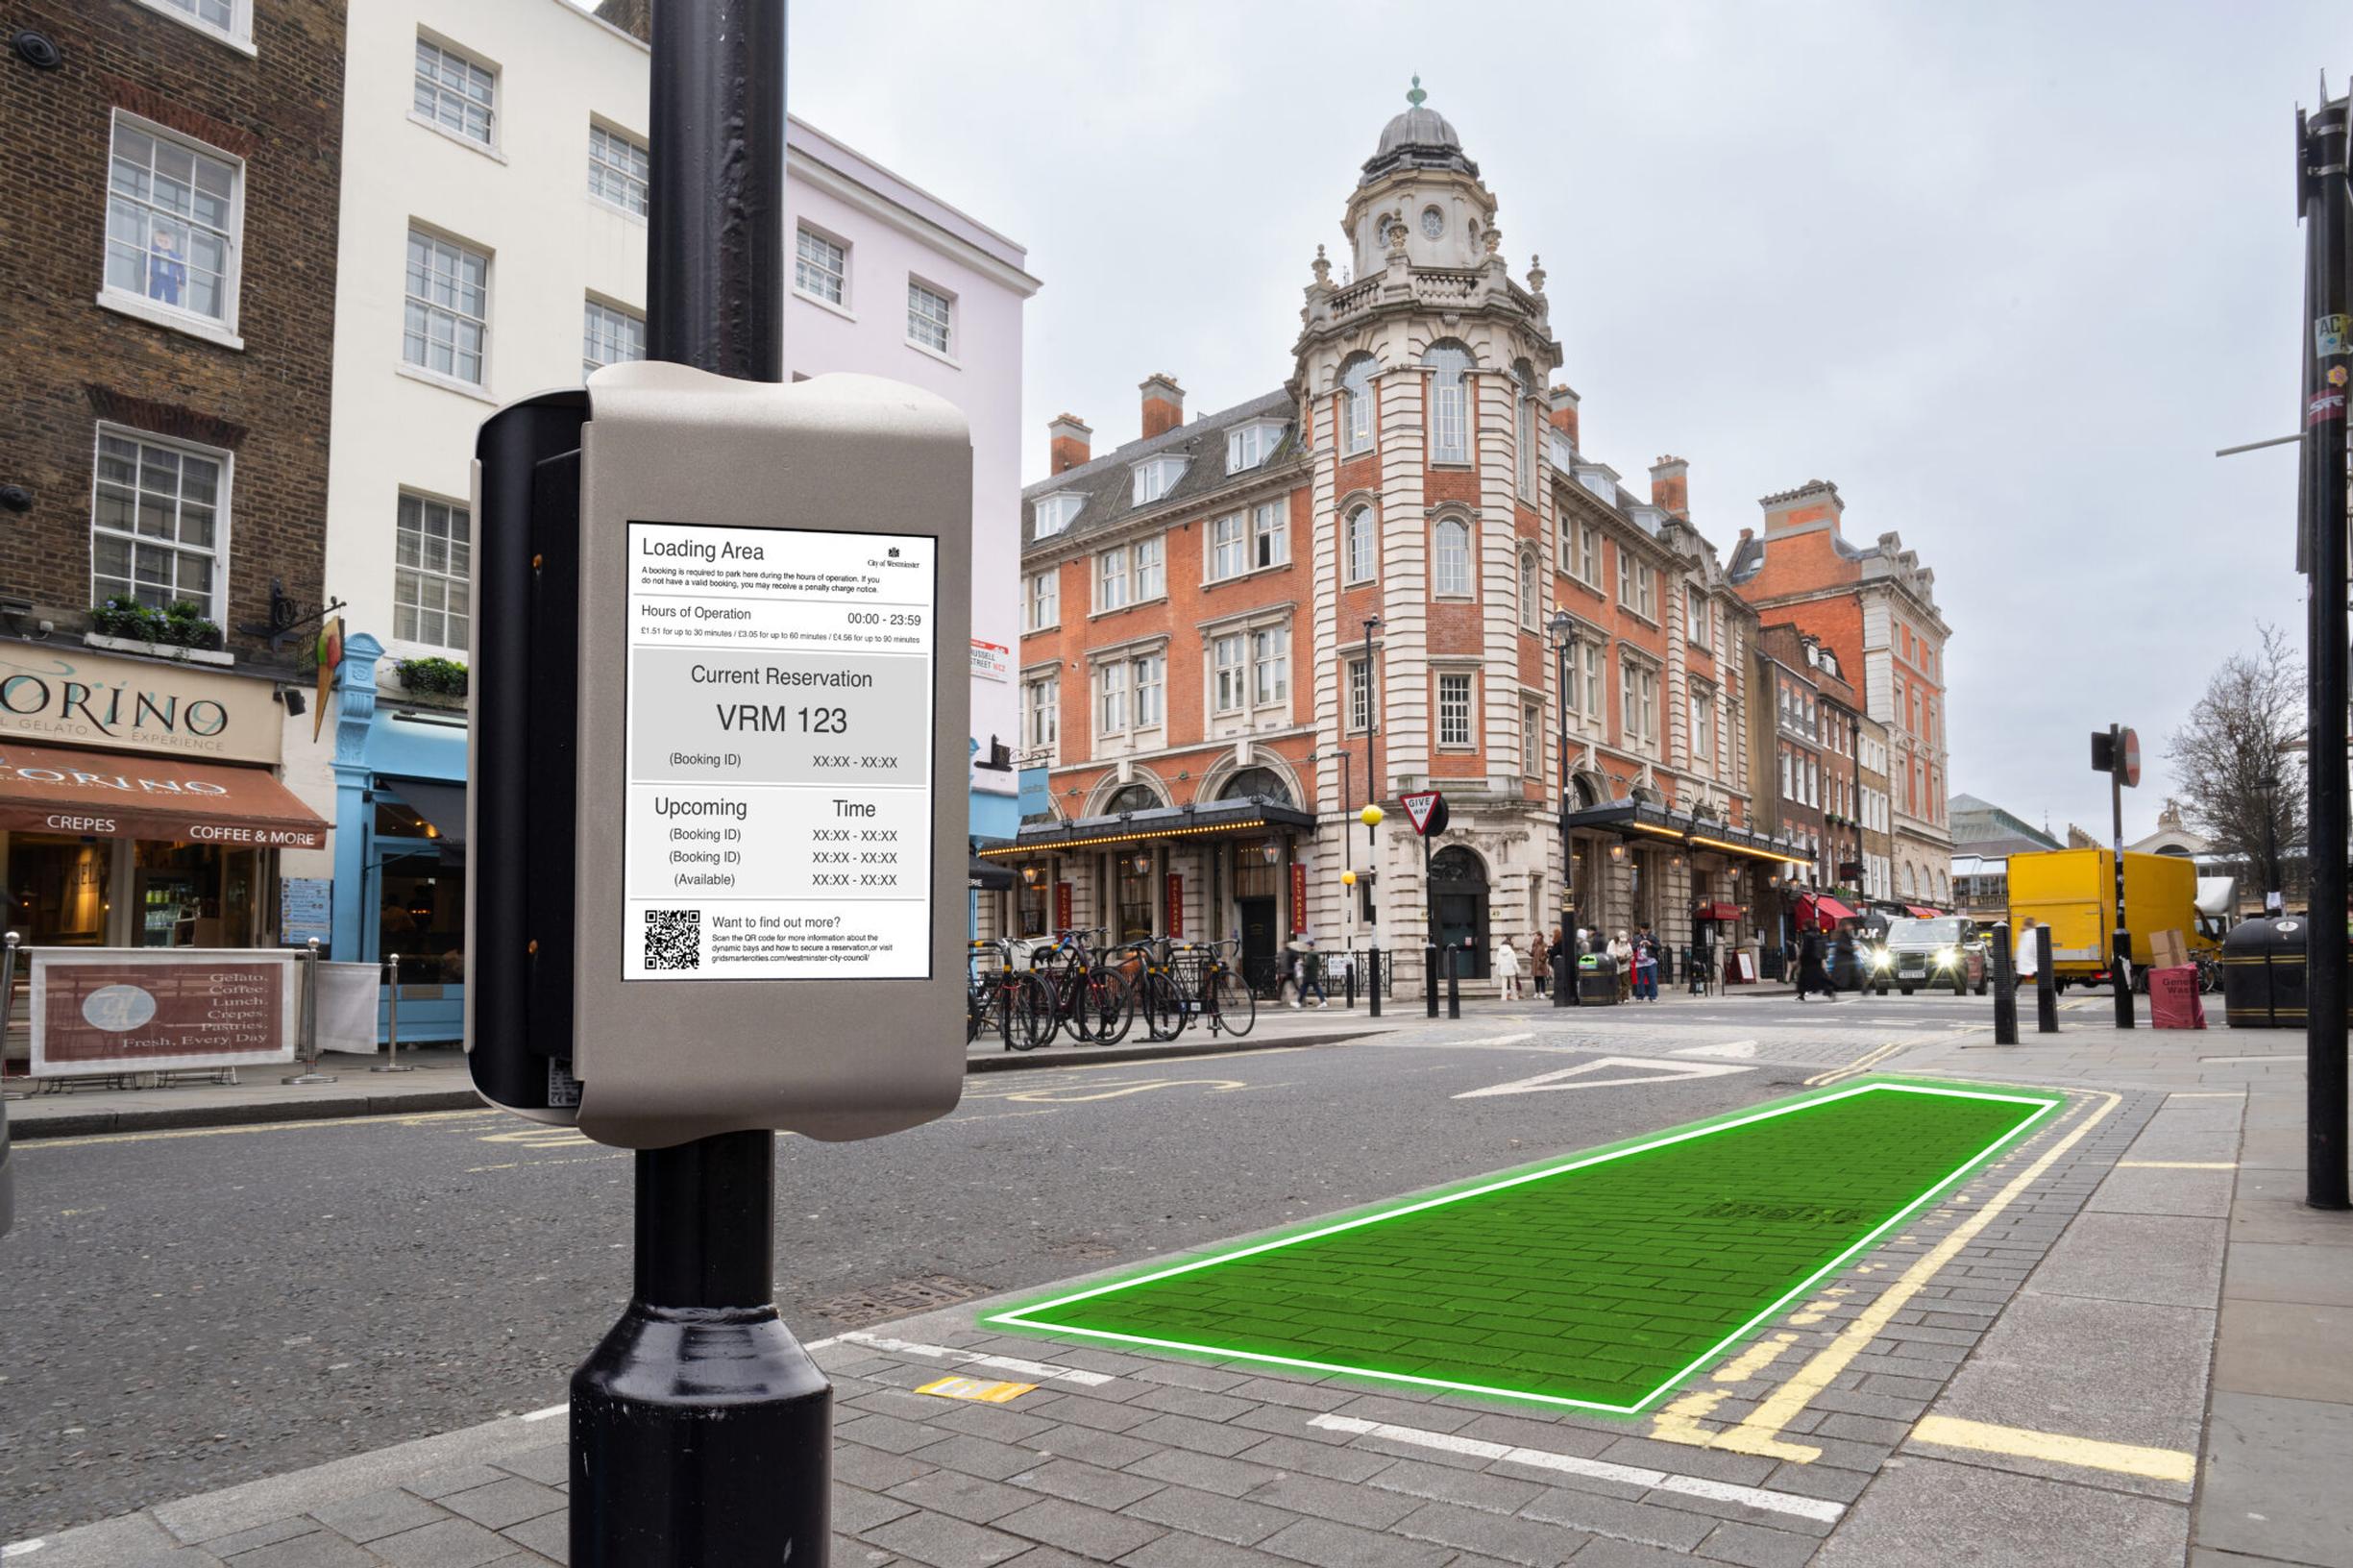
(1029,1013)
(1233,1004)
(975,1011)
(1108,1005)
(1161,1005)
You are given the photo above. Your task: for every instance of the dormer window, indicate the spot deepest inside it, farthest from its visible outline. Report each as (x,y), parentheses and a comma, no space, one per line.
(1155,477)
(1055,513)
(1252,444)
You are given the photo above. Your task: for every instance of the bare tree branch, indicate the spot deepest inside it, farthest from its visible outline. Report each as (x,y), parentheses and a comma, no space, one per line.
(2239,762)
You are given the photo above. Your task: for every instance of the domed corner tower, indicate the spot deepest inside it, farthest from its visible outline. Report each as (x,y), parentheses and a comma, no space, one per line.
(1421,376)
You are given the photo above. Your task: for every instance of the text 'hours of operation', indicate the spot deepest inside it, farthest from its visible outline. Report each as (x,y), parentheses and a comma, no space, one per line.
(777,816)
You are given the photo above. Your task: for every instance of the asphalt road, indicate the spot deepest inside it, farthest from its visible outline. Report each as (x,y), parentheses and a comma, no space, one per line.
(183,1310)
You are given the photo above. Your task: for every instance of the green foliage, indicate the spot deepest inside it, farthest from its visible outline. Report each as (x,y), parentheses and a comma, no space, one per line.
(180,624)
(432,676)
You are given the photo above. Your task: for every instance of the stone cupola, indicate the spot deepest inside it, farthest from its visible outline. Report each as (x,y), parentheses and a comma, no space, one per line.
(1419,176)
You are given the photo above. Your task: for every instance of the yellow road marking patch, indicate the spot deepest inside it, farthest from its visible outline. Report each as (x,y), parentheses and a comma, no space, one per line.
(25,1146)
(1861,1064)
(991,1393)
(2090,1453)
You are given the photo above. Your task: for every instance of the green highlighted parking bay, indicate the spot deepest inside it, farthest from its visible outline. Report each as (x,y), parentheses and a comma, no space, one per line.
(1596,1281)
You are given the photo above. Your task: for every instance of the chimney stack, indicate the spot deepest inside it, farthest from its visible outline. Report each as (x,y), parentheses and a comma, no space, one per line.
(1564,414)
(1164,405)
(1069,443)
(1671,487)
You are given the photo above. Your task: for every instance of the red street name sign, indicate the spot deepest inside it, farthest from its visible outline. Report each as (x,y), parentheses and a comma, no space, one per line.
(1425,811)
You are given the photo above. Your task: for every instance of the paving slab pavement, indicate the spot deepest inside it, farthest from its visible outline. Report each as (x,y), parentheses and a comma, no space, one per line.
(2064,1362)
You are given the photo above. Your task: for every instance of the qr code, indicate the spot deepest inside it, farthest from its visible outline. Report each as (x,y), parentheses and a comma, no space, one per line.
(673,938)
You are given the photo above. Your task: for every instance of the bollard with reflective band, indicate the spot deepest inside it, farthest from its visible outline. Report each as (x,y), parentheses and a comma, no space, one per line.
(2005,988)
(2045,985)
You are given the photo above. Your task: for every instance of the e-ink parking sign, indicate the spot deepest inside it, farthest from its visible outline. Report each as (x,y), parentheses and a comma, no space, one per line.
(777,816)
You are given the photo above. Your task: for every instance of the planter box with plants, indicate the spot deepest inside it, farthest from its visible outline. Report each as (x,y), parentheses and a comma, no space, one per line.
(179,631)
(432,677)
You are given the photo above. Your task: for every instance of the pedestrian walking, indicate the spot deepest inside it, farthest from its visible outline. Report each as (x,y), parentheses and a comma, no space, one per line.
(1811,975)
(1843,972)
(1307,970)
(1646,964)
(2029,952)
(1539,963)
(1508,968)
(1621,951)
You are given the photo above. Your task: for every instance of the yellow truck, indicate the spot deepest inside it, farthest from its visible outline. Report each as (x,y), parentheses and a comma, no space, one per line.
(2073,893)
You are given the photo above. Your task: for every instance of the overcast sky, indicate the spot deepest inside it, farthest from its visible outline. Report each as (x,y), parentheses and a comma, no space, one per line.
(2007,274)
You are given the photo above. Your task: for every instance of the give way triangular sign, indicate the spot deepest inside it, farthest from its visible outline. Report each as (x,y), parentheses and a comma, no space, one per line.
(1631,1069)
(1419,809)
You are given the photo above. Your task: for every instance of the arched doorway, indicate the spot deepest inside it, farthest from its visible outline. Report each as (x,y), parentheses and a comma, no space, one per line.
(1459,903)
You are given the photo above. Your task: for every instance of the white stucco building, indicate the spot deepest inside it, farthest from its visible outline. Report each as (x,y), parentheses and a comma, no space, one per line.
(493,245)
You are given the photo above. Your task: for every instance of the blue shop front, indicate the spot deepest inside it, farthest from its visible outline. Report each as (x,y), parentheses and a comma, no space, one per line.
(400,883)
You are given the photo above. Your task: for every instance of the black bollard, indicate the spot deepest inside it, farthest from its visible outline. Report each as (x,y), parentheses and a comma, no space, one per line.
(2005,988)
(1568,939)
(2045,985)
(1372,978)
(1429,978)
(1348,986)
(1454,982)
(1565,974)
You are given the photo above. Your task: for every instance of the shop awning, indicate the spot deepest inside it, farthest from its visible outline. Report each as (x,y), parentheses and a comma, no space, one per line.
(992,878)
(1217,819)
(1922,912)
(65,789)
(1832,908)
(1715,912)
(1640,819)
(443,806)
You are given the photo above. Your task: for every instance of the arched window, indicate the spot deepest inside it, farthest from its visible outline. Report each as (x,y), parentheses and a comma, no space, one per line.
(1453,540)
(1263,783)
(1132,797)
(1904,883)
(1450,426)
(1357,404)
(1362,545)
(1525,375)
(1530,590)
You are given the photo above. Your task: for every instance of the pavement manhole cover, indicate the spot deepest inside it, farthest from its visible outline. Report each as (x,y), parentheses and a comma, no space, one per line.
(900,1298)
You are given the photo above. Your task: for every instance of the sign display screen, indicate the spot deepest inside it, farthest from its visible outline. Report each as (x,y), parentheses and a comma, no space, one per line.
(777,809)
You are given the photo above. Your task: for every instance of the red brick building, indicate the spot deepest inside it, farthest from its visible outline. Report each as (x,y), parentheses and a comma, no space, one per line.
(1875,608)
(1369,583)
(168,256)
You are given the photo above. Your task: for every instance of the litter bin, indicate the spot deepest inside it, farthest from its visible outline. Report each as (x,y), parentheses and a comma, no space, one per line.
(2262,975)
(1597,980)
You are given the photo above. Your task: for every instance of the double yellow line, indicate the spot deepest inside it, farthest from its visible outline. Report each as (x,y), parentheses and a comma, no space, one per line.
(1860,1064)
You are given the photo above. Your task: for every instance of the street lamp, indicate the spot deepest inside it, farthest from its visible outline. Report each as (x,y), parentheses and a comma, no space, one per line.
(1855,754)
(1566,640)
(1372,721)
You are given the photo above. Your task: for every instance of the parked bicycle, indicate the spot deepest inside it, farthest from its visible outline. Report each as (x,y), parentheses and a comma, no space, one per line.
(1090,996)
(1011,994)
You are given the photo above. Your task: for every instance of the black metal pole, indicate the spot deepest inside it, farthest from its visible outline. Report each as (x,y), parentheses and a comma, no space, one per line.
(1564,989)
(1430,936)
(1454,982)
(2005,988)
(702,1431)
(2045,985)
(2322,181)
(1372,978)
(2119,958)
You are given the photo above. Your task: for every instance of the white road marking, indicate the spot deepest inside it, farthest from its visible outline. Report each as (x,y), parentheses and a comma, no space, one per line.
(2224,1061)
(549,1413)
(18,1549)
(1569,1464)
(1498,1040)
(1742,1048)
(1045,1370)
(1645,1071)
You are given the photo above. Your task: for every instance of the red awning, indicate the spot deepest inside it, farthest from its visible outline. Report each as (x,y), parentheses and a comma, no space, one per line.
(1715,912)
(1833,910)
(65,789)
(1918,913)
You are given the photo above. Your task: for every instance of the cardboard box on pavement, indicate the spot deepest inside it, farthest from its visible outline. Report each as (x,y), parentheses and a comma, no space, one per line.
(2167,950)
